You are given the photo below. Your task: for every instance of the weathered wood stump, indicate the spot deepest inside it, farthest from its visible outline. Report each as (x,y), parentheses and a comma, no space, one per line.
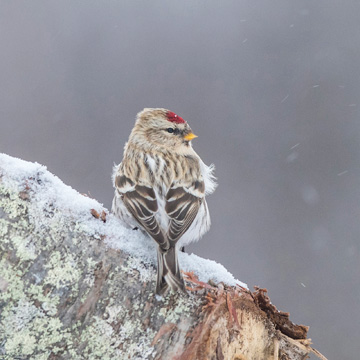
(65,294)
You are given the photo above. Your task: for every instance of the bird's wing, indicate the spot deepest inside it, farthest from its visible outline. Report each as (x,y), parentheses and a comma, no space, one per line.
(182,206)
(141,202)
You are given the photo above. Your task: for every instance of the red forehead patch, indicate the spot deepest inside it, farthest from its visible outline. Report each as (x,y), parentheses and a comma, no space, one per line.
(171,116)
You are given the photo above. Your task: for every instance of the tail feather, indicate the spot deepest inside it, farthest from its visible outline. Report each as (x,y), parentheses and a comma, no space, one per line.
(169,273)
(161,285)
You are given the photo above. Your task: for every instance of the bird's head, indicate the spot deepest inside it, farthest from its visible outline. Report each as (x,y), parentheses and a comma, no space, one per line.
(161,128)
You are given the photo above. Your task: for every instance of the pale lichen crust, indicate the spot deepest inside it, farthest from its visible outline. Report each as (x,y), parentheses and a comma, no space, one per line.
(64,295)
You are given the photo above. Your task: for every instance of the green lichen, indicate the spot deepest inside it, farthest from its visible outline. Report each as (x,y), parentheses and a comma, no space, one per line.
(175,312)
(11,204)
(53,333)
(15,287)
(3,230)
(47,241)
(20,343)
(38,334)
(25,249)
(102,343)
(49,301)
(26,329)
(62,271)
(99,341)
(89,277)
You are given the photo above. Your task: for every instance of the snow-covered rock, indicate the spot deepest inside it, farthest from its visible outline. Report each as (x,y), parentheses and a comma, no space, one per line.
(49,190)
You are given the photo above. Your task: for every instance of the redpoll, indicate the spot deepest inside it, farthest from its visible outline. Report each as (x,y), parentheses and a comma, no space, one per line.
(160,187)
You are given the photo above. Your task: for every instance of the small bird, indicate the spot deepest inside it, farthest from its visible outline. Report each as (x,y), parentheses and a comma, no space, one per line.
(160,188)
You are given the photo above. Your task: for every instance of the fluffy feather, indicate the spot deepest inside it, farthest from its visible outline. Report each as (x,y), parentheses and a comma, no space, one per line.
(160,186)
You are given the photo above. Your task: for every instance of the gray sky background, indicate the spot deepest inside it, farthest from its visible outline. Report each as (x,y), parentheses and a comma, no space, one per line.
(272,88)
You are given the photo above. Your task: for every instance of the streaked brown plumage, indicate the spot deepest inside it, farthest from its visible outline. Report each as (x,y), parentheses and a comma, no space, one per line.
(160,186)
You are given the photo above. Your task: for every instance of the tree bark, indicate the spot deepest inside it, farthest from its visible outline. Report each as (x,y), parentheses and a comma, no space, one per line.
(65,295)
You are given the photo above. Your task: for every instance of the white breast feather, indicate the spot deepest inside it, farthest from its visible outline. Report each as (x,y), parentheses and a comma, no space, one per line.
(209,178)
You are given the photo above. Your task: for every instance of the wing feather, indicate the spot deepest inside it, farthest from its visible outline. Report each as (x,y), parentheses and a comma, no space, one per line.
(141,202)
(182,208)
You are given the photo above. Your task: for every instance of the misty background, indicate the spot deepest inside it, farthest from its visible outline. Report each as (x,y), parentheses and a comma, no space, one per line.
(272,89)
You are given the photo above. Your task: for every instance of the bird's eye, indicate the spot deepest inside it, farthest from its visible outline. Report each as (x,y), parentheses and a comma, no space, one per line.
(170,130)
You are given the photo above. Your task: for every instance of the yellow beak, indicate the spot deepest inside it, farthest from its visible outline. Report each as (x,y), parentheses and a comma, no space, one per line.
(190,136)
